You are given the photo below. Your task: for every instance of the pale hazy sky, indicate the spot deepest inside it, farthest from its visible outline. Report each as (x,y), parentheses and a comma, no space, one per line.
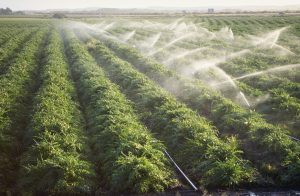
(56,4)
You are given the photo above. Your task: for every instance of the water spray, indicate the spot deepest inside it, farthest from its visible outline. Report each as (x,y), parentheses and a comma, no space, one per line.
(184,54)
(270,40)
(171,43)
(129,35)
(271,70)
(245,99)
(154,39)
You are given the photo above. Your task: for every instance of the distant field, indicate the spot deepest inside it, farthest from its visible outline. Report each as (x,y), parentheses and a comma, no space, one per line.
(92,105)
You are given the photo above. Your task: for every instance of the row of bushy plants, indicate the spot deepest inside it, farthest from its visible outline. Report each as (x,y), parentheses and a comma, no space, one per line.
(7,33)
(126,156)
(191,139)
(11,48)
(264,82)
(55,162)
(267,82)
(23,24)
(14,93)
(280,108)
(287,107)
(275,154)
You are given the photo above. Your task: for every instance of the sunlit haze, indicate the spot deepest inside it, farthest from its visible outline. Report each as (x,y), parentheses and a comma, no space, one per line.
(72,4)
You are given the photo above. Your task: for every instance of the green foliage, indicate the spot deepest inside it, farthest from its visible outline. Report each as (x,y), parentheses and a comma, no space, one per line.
(127,157)
(253,130)
(6,11)
(13,90)
(54,163)
(59,15)
(51,144)
(175,124)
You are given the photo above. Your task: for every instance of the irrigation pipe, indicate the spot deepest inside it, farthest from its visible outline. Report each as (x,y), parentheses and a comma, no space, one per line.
(296,139)
(182,173)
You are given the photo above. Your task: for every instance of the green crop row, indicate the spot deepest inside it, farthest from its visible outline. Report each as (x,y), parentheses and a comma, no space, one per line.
(14,91)
(280,108)
(283,103)
(8,50)
(8,33)
(286,107)
(126,155)
(252,64)
(267,82)
(189,137)
(24,23)
(266,145)
(54,163)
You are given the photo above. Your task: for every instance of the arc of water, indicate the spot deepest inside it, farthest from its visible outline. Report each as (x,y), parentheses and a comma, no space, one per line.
(171,43)
(270,40)
(110,25)
(233,84)
(128,36)
(275,69)
(155,39)
(226,33)
(245,99)
(98,25)
(277,34)
(283,48)
(214,62)
(184,54)
(192,26)
(173,24)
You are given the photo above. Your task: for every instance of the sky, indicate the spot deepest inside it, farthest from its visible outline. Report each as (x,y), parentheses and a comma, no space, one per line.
(72,4)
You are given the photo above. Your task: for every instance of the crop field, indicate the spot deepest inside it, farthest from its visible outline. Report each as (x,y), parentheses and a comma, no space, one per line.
(106,105)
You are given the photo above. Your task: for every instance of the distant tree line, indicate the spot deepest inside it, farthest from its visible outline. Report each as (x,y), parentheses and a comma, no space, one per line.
(6,11)
(59,15)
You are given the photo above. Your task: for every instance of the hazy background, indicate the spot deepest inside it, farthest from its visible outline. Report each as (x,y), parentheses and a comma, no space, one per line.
(73,4)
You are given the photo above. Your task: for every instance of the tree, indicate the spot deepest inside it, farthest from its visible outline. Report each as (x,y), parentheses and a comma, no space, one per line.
(59,15)
(6,11)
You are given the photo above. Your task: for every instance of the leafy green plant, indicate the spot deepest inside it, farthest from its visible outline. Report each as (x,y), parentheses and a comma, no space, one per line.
(126,156)
(14,91)
(175,124)
(251,128)
(54,162)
